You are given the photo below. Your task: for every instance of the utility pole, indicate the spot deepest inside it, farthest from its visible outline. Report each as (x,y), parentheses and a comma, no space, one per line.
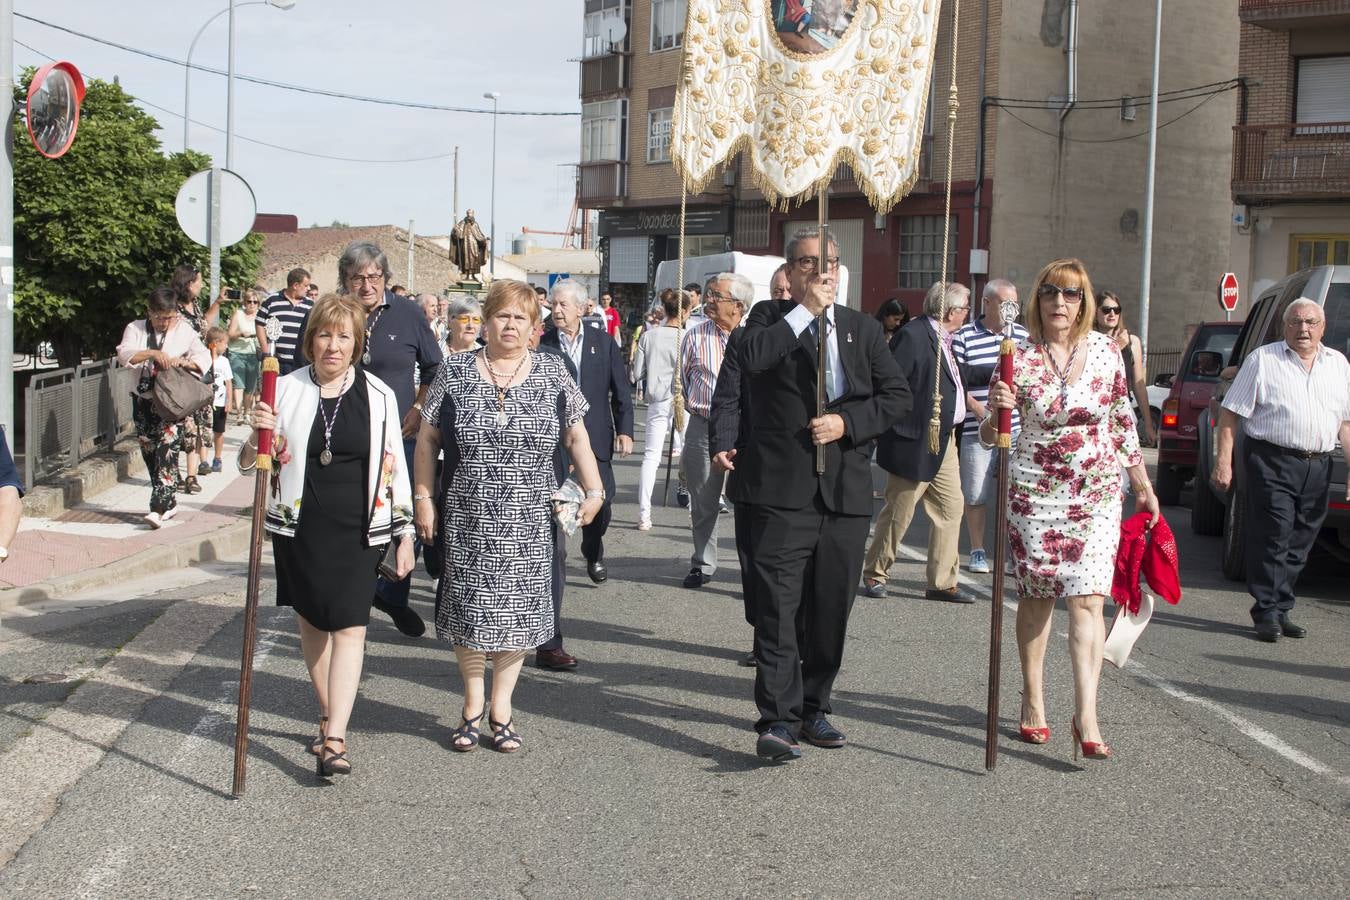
(412,244)
(7,220)
(1147,274)
(454,213)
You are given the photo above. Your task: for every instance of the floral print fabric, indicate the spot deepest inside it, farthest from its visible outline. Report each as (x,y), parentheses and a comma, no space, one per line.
(1064,491)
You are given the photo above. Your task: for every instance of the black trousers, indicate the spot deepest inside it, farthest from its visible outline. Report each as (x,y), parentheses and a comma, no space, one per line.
(593,535)
(806,563)
(559,582)
(743,555)
(1286,505)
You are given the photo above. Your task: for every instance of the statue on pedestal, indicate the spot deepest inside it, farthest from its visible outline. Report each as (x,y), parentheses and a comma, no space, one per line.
(468,246)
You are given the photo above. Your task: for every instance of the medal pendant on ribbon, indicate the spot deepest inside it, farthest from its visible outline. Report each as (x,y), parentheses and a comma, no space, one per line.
(500,419)
(325,457)
(365,358)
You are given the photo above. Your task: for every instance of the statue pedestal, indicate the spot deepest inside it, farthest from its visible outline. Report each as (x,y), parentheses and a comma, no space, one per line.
(467,287)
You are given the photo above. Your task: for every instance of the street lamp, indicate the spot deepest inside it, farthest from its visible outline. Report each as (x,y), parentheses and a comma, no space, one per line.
(187,70)
(494,96)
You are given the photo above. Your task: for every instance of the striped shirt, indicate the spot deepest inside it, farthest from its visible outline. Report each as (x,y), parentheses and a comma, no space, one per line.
(700,360)
(1287,405)
(975,348)
(290,317)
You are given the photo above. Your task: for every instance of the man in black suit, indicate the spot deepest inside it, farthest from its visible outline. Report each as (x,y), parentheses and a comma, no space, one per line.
(729,427)
(596,362)
(808,530)
(914,473)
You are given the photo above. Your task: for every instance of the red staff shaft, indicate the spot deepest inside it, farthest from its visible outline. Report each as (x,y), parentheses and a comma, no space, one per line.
(268,395)
(1005,375)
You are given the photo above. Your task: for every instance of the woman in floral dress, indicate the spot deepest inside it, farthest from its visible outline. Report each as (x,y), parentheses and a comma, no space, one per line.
(1064,497)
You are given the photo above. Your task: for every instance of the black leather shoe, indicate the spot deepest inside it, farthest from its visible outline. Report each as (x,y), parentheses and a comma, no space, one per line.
(696,578)
(820,733)
(953,594)
(748,661)
(1291,630)
(599,574)
(775,745)
(405,618)
(1268,630)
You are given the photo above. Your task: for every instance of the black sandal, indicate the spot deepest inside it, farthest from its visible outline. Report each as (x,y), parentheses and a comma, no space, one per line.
(316,745)
(502,734)
(331,763)
(468,730)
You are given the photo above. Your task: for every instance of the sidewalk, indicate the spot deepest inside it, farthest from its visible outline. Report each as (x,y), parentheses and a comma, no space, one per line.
(107,539)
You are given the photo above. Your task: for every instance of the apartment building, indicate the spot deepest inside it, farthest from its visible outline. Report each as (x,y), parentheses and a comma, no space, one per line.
(1291,143)
(1028,183)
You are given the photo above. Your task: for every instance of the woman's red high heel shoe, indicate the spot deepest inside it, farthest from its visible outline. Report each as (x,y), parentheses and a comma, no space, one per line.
(1034,735)
(1091,749)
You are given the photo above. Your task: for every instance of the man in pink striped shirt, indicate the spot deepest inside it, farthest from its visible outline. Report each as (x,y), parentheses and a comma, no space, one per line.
(726,298)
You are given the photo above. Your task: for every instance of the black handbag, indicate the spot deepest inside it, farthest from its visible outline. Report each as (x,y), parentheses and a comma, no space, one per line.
(388,567)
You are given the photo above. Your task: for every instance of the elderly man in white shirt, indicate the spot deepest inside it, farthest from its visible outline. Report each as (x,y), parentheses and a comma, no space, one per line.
(1294,398)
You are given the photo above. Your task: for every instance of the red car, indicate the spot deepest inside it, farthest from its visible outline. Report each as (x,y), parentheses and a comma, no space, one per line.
(1192,388)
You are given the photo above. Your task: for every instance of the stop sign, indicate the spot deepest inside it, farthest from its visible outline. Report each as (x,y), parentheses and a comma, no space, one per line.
(1228,291)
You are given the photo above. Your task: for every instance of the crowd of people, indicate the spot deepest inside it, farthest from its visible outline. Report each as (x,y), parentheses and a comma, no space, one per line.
(461,428)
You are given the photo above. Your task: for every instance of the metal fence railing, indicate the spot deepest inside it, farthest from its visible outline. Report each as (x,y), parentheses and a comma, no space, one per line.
(72,414)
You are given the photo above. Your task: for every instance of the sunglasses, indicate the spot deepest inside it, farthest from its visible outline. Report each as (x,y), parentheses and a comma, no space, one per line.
(465,319)
(1110,310)
(1071,294)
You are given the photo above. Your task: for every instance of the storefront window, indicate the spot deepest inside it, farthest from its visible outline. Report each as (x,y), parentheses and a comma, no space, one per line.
(921,251)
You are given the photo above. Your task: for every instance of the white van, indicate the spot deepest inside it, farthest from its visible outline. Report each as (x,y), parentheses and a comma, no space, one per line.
(759,269)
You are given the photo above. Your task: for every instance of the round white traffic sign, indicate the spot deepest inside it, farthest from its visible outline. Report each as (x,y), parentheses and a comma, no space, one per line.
(238,208)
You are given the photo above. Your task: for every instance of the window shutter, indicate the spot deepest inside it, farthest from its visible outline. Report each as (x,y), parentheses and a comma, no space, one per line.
(1324,89)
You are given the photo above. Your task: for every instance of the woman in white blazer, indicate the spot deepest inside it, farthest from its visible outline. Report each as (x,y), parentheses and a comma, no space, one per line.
(339,493)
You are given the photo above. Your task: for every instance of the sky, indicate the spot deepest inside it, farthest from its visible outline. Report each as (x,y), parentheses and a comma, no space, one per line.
(446,52)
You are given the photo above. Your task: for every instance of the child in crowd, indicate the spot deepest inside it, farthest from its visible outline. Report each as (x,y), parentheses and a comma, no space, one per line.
(221,379)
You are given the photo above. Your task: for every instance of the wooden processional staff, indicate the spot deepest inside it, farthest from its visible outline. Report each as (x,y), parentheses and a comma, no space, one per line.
(268,395)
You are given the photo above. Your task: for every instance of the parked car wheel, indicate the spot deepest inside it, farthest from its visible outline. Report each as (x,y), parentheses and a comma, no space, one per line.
(1235,538)
(1207,513)
(1168,485)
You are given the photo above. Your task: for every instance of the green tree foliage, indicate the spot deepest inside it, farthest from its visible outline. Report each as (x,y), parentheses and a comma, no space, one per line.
(95,230)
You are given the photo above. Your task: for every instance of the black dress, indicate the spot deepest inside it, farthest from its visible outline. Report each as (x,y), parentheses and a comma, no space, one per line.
(326,572)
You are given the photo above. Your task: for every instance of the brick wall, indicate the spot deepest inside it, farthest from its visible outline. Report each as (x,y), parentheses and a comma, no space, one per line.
(1263,54)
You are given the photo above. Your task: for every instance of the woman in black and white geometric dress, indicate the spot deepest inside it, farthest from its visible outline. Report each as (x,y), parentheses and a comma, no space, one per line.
(498,414)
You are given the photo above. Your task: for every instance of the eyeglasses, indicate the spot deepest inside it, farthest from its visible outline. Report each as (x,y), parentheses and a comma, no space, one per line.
(1299,323)
(465,319)
(809,263)
(716,297)
(366,279)
(1109,310)
(1071,294)
(955,309)
(164,317)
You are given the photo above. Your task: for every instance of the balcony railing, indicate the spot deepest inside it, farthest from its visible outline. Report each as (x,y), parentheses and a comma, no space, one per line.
(604,75)
(603,182)
(1292,13)
(1305,160)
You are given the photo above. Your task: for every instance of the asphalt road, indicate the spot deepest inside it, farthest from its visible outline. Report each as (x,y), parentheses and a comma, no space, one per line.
(1231,775)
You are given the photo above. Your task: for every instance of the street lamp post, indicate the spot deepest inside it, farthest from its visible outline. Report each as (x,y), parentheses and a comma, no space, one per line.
(187,69)
(229,116)
(494,96)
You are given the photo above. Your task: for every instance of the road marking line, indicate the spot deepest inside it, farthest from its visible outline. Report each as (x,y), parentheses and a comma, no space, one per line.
(1245,727)
(218,712)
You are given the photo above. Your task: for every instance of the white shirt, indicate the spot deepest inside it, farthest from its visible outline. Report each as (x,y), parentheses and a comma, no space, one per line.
(1287,405)
(572,347)
(799,319)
